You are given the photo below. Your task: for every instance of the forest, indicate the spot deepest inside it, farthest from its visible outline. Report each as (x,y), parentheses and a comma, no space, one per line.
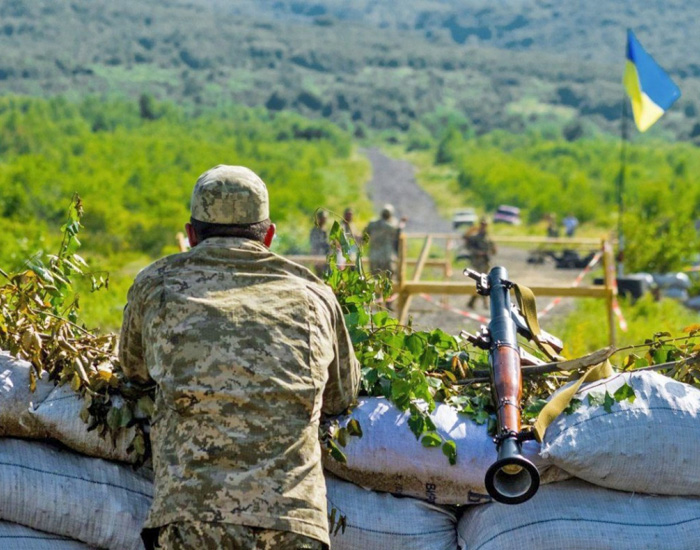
(363,65)
(134,165)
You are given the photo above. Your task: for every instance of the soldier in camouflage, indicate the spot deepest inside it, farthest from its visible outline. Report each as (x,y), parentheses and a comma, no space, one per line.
(247,350)
(480,248)
(383,241)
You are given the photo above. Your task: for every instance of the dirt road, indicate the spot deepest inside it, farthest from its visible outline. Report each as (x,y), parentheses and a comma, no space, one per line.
(394,182)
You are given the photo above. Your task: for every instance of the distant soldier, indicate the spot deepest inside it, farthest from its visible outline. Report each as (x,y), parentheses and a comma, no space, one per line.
(318,238)
(351,233)
(349,227)
(384,241)
(552,226)
(480,248)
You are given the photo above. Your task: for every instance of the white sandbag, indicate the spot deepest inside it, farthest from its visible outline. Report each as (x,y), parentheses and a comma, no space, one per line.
(650,445)
(58,417)
(575,515)
(379,520)
(54,490)
(389,458)
(19,537)
(15,397)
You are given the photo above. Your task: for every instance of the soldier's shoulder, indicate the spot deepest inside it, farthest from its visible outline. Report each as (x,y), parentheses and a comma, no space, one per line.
(158,268)
(303,277)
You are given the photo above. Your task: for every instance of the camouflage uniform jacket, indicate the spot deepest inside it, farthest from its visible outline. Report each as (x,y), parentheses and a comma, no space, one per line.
(383,240)
(247,349)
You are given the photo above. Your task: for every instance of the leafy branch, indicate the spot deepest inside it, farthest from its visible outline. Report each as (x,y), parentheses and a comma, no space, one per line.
(39,323)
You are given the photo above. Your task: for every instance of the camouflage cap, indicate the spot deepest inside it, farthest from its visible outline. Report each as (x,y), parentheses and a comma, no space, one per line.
(230,195)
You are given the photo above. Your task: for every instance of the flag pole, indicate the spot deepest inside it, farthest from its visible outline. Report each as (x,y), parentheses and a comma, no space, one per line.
(621,191)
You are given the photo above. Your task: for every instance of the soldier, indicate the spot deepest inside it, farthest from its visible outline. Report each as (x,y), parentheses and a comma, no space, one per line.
(480,248)
(384,241)
(348,226)
(247,350)
(318,238)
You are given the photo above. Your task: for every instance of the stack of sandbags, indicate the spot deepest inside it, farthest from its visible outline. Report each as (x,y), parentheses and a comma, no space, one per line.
(575,515)
(639,456)
(380,520)
(647,444)
(389,458)
(59,493)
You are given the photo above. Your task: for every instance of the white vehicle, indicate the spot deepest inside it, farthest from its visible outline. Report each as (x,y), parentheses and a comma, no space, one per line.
(464,216)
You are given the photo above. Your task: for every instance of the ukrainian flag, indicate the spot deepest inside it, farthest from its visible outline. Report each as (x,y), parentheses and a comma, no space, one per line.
(651,90)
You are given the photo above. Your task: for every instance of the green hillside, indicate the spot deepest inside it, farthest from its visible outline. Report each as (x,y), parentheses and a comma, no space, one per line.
(135,174)
(361,64)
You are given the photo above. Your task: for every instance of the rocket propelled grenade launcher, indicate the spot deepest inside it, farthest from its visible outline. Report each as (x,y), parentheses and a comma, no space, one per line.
(512,479)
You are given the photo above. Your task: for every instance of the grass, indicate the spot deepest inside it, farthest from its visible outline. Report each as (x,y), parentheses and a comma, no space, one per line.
(585,330)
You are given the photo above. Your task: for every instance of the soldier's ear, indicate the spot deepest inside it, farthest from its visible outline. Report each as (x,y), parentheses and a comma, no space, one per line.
(267,241)
(191,235)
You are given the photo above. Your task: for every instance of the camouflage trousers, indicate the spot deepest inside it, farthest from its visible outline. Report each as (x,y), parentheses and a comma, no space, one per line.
(222,536)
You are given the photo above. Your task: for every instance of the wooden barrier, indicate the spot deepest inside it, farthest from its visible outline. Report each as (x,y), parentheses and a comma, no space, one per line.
(406,289)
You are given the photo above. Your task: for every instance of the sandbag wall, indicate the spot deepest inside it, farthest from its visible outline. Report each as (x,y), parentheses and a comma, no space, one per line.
(393,492)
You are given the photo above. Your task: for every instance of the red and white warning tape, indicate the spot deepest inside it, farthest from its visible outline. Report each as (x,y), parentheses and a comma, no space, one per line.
(616,308)
(594,260)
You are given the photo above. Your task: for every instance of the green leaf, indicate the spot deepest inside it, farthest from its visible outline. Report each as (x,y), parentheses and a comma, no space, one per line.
(354,428)
(574,405)
(595,400)
(114,418)
(146,405)
(417,424)
(342,436)
(380,318)
(336,453)
(449,449)
(431,439)
(608,402)
(625,393)
(415,344)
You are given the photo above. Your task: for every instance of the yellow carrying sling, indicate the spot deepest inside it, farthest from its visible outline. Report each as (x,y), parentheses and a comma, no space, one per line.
(561,399)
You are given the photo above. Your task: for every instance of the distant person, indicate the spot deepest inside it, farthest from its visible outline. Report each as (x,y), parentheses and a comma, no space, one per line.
(570,224)
(383,236)
(351,233)
(481,248)
(318,238)
(552,227)
(348,226)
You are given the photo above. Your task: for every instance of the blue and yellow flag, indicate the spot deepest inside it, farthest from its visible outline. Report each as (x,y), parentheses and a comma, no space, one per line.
(651,90)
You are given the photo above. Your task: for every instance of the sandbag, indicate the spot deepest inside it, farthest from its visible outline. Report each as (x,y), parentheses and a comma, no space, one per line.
(379,520)
(15,397)
(575,515)
(58,417)
(649,445)
(51,489)
(19,537)
(389,458)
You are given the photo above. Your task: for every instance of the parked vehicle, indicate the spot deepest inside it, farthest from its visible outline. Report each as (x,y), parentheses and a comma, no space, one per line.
(507,214)
(464,216)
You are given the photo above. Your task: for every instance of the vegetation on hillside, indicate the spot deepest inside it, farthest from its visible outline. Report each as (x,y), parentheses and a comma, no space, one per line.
(135,168)
(361,64)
